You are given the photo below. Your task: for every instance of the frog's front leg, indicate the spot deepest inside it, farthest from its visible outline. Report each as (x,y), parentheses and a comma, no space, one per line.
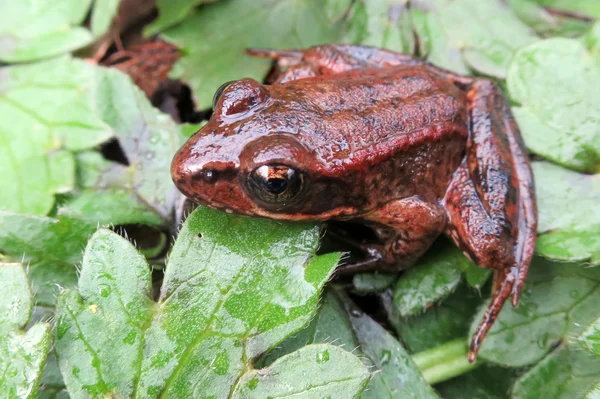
(406,228)
(490,200)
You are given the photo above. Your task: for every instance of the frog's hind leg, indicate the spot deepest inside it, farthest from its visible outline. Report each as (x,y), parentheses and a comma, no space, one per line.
(490,201)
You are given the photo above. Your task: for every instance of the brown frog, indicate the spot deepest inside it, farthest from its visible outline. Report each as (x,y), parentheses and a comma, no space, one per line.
(362,134)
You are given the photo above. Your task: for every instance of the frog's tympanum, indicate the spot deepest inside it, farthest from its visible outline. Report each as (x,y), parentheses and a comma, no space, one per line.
(350,133)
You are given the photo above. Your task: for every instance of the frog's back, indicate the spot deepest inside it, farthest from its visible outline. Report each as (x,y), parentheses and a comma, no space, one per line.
(356,119)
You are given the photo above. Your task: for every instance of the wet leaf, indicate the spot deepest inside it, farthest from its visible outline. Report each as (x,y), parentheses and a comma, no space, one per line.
(569,214)
(557,302)
(64,105)
(171,12)
(566,373)
(327,372)
(148,138)
(280,24)
(22,352)
(341,323)
(397,375)
(330,325)
(465,35)
(558,107)
(443,322)
(31,30)
(485,382)
(50,246)
(381,23)
(372,282)
(435,276)
(51,107)
(234,287)
(594,392)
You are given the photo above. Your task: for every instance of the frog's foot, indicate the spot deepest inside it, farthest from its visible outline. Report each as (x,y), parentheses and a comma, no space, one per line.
(504,287)
(490,200)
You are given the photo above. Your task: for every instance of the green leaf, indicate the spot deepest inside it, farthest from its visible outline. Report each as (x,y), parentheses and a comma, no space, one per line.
(397,375)
(102,15)
(435,276)
(234,287)
(116,206)
(585,7)
(52,247)
(381,23)
(545,23)
(327,372)
(566,373)
(171,12)
(51,110)
(66,105)
(372,282)
(557,302)
(557,110)
(461,35)
(592,40)
(569,214)
(340,322)
(148,138)
(594,392)
(22,353)
(214,54)
(31,30)
(330,325)
(590,338)
(446,321)
(485,382)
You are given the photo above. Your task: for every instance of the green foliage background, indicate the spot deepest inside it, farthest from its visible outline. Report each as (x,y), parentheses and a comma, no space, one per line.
(241,311)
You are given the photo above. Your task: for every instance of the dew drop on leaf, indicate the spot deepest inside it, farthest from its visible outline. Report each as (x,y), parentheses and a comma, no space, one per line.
(61,328)
(104,290)
(385,357)
(542,341)
(323,357)
(574,294)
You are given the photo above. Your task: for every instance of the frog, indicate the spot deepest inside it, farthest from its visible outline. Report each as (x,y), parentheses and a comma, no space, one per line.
(387,140)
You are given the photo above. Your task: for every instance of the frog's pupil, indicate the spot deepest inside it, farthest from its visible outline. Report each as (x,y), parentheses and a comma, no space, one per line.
(276,186)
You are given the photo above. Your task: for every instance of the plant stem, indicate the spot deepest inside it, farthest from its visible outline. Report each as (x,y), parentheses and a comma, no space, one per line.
(444,362)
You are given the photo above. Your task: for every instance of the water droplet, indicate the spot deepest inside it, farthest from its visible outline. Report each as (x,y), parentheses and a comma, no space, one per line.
(252,384)
(542,341)
(510,337)
(323,357)
(385,357)
(149,155)
(154,139)
(104,290)
(574,294)
(61,328)
(356,313)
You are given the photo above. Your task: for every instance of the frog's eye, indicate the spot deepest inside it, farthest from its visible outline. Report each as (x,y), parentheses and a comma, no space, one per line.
(220,91)
(275,184)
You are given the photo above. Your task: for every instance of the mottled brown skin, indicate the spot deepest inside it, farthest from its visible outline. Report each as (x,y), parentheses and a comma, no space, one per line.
(381,138)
